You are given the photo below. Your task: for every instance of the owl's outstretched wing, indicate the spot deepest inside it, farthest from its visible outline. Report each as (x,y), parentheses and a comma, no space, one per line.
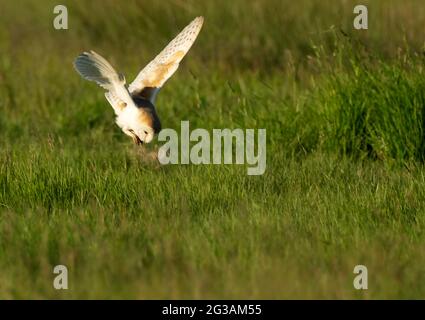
(93,67)
(159,70)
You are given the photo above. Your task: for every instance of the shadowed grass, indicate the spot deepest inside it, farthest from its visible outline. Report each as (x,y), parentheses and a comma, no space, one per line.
(374,108)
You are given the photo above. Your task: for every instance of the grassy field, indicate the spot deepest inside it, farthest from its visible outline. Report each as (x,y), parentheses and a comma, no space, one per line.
(344,185)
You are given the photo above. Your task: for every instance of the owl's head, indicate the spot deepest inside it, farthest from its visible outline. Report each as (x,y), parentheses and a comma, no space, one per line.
(145,126)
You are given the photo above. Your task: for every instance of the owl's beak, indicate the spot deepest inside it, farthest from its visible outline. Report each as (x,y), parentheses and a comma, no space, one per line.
(137,141)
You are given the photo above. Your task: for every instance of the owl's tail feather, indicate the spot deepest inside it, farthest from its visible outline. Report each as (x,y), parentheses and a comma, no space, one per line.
(94,67)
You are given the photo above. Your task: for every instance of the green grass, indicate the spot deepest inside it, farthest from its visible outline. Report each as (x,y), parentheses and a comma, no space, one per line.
(344,184)
(376,109)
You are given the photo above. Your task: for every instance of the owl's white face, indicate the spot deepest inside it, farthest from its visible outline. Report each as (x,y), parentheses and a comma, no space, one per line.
(140,134)
(144,133)
(135,124)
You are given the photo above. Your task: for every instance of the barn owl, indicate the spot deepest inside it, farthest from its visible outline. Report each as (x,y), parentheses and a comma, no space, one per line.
(134,105)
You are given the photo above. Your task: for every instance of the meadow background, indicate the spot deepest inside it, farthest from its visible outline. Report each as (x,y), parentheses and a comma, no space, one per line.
(344,185)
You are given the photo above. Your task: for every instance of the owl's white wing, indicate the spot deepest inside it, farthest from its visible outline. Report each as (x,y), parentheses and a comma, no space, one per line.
(94,67)
(159,70)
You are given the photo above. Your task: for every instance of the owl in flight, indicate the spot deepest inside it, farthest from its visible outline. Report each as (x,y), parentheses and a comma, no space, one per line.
(134,105)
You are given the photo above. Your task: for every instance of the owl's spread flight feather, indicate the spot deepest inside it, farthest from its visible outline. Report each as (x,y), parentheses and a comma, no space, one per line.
(136,114)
